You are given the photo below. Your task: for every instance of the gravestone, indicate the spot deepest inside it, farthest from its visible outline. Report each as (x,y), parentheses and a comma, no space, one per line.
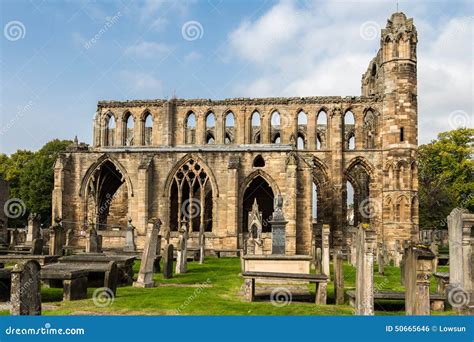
(130,237)
(156,264)
(69,237)
(435,250)
(202,244)
(56,238)
(254,242)
(278,224)
(381,260)
(168,261)
(366,246)
(461,285)
(145,276)
(397,253)
(92,239)
(338,276)
(317,264)
(353,258)
(418,270)
(111,277)
(37,247)
(14,237)
(182,255)
(26,288)
(34,224)
(325,250)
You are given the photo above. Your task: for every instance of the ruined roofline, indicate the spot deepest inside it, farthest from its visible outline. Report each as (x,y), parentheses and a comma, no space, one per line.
(241,101)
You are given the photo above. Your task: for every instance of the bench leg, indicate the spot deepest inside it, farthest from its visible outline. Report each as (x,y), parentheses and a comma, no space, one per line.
(321,293)
(75,288)
(250,289)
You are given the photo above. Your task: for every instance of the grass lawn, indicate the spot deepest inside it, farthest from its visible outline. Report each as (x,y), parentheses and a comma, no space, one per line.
(220,295)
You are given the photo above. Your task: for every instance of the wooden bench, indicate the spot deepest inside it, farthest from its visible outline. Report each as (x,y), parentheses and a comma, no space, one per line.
(436,299)
(320,280)
(218,252)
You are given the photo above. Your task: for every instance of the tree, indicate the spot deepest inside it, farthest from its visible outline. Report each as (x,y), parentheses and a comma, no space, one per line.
(31,178)
(446,176)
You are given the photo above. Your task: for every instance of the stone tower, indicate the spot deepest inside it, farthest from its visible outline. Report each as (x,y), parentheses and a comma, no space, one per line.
(392,76)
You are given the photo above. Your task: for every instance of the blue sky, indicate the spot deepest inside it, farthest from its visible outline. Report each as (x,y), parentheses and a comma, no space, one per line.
(52,74)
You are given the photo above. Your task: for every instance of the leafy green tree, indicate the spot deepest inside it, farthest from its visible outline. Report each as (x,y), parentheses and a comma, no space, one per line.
(446,176)
(31,178)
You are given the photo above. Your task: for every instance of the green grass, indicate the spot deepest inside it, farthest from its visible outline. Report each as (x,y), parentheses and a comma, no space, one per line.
(183,295)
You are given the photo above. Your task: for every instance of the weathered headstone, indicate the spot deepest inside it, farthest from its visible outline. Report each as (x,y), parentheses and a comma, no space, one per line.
(92,239)
(381,260)
(278,224)
(202,244)
(182,255)
(366,245)
(397,254)
(434,248)
(69,237)
(325,250)
(461,273)
(111,277)
(317,264)
(130,237)
(168,261)
(37,247)
(156,264)
(56,238)
(418,270)
(254,242)
(145,276)
(26,289)
(338,276)
(34,224)
(14,237)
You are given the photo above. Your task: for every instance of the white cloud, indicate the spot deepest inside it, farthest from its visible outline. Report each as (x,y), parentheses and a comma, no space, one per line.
(192,57)
(141,84)
(148,50)
(317,49)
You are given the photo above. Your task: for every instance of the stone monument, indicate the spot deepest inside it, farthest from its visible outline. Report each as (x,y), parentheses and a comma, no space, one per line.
(26,289)
(34,224)
(254,243)
(145,276)
(182,255)
(56,238)
(325,250)
(278,224)
(168,261)
(366,245)
(130,237)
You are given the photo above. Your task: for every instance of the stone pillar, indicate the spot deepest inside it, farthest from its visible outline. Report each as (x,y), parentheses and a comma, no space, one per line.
(290,205)
(26,289)
(353,259)
(130,237)
(338,277)
(34,223)
(325,250)
(434,249)
(231,204)
(142,195)
(56,238)
(366,245)
(418,270)
(145,276)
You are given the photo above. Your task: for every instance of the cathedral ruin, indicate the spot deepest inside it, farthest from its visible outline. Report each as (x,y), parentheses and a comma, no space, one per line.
(335,160)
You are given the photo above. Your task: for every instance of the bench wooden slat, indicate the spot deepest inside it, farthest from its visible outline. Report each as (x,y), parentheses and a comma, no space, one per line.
(392,295)
(295,276)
